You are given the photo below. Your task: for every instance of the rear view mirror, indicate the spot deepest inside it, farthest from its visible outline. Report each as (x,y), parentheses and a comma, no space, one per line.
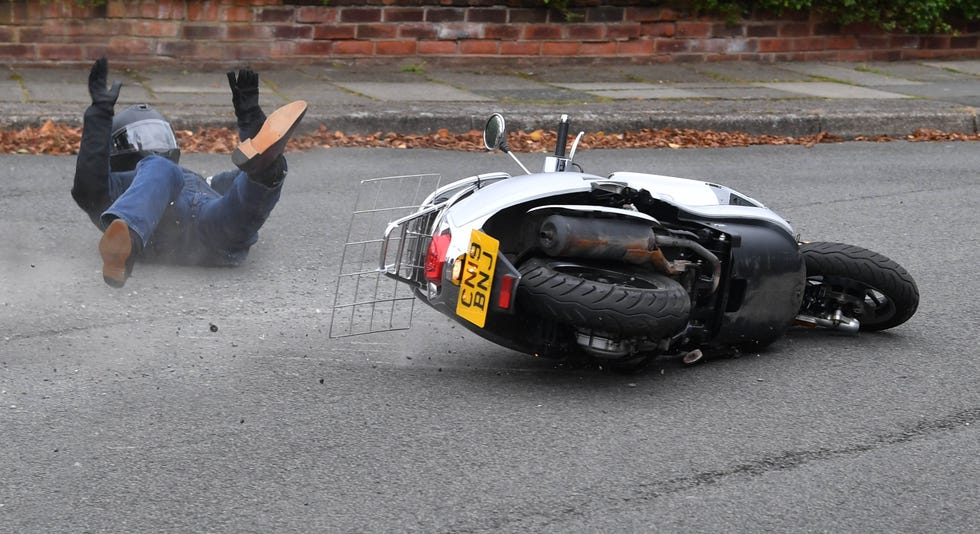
(494,135)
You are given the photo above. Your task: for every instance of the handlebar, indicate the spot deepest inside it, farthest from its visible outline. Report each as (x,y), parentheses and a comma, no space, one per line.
(562,137)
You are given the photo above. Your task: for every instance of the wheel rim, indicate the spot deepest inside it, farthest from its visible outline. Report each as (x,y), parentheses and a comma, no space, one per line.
(860,301)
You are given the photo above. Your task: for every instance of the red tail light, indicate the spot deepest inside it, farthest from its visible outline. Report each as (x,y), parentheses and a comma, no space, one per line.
(506,289)
(435,257)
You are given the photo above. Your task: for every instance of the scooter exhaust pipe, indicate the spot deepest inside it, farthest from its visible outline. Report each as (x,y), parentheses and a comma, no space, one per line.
(619,240)
(607,239)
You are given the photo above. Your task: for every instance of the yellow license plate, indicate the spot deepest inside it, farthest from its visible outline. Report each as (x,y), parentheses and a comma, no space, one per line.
(474,288)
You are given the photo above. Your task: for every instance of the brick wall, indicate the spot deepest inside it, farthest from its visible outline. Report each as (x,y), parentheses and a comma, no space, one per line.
(273,31)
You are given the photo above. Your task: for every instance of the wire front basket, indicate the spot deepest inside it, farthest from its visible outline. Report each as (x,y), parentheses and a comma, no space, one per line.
(383,258)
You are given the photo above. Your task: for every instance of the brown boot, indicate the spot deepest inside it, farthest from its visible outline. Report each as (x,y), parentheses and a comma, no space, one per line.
(258,153)
(118,252)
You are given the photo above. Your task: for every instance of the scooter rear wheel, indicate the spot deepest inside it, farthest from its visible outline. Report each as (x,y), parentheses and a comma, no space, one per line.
(617,299)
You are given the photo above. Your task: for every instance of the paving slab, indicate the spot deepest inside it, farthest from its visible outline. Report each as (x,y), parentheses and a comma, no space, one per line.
(960,92)
(11,90)
(741,92)
(632,91)
(478,81)
(969,67)
(850,74)
(537,95)
(409,91)
(284,86)
(832,90)
(49,85)
(664,73)
(741,72)
(924,72)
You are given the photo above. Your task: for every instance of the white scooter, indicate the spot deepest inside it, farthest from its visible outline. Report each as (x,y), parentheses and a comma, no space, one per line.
(621,267)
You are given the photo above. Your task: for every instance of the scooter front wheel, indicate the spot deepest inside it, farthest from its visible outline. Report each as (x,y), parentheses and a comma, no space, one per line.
(877,290)
(618,299)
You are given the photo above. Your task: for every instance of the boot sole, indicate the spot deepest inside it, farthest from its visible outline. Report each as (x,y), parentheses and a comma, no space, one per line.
(115,247)
(255,153)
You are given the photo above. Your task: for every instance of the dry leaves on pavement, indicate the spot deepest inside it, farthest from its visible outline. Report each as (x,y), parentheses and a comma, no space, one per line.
(52,138)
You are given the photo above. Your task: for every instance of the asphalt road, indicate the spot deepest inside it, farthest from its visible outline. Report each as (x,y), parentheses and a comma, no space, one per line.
(213,400)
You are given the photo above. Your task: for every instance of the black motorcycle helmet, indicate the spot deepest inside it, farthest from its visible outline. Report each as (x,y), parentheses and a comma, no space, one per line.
(137,132)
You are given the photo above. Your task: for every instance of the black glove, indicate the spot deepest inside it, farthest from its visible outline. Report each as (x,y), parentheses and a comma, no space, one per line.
(244,91)
(102,97)
(245,98)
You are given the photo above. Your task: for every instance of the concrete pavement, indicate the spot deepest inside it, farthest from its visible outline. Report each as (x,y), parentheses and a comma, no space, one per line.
(793,99)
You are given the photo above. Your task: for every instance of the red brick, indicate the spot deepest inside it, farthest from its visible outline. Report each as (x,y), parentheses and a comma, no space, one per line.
(288,31)
(419,30)
(437,48)
(634,48)
(155,28)
(395,48)
(313,48)
(761,30)
(505,32)
(794,29)
(716,46)
(124,47)
(439,14)
(623,31)
(203,32)
(236,14)
(853,55)
(32,34)
(459,30)
(527,16)
(585,32)
(598,49)
(245,52)
(693,29)
(872,41)
(670,46)
(19,51)
(353,48)
(479,47)
(965,41)
(658,29)
(840,42)
(201,11)
(520,48)
(935,42)
(317,14)
(606,14)
(274,14)
(723,29)
(541,32)
(777,45)
(376,31)
(334,31)
(360,15)
(246,32)
(650,14)
(552,48)
(491,15)
(403,14)
(810,43)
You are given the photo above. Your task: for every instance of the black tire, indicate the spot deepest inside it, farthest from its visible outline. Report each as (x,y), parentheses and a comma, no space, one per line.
(621,300)
(890,296)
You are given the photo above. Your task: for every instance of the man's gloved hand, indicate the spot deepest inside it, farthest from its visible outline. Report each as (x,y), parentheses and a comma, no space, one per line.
(244,91)
(102,97)
(245,98)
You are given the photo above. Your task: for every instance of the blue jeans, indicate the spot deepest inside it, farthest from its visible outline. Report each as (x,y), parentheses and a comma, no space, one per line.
(181,219)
